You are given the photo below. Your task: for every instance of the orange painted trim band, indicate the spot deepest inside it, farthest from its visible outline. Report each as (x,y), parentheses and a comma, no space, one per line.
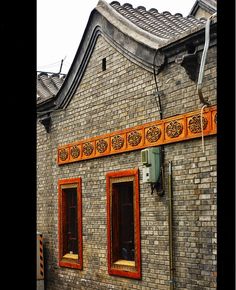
(174,129)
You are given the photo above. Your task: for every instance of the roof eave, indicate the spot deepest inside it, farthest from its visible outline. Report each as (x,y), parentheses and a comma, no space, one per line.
(196,39)
(46,105)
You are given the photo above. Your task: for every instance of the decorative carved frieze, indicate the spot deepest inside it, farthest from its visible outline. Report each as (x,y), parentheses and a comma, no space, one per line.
(134,138)
(195,124)
(101,145)
(174,129)
(117,142)
(75,152)
(87,148)
(153,134)
(63,154)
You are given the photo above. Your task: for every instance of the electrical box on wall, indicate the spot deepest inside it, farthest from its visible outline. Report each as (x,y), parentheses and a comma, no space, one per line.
(151,159)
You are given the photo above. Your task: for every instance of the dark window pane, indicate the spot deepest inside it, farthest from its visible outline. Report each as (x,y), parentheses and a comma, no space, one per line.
(71,221)
(123,221)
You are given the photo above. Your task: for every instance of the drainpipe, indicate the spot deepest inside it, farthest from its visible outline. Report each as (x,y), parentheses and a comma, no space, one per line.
(157,95)
(170,223)
(201,72)
(203,60)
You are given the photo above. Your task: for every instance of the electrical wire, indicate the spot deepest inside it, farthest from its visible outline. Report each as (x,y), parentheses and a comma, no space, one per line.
(49,65)
(155,78)
(203,148)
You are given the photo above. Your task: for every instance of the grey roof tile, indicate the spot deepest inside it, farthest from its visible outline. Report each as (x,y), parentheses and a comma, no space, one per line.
(164,25)
(48,85)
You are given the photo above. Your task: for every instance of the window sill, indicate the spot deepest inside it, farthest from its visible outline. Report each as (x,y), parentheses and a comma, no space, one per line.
(125,268)
(70,263)
(70,256)
(125,263)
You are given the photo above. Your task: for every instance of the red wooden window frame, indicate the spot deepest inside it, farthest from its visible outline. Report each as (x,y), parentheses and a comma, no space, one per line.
(113,268)
(64,261)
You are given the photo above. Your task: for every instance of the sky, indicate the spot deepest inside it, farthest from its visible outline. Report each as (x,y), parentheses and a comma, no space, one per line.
(61,24)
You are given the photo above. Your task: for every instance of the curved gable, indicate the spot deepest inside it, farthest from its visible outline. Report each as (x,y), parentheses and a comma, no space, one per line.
(138,34)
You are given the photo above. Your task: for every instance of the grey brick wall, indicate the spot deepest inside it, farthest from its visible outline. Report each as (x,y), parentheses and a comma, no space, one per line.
(119,98)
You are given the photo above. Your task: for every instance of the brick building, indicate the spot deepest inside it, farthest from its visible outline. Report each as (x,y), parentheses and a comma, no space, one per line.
(140,80)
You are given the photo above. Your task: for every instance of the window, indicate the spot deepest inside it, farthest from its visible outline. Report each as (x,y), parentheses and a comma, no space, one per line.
(123,224)
(104,64)
(70,223)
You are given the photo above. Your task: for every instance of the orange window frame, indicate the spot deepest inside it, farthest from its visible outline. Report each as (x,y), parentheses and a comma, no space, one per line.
(124,268)
(70,261)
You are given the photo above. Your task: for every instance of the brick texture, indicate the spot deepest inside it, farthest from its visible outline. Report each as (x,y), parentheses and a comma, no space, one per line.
(120,97)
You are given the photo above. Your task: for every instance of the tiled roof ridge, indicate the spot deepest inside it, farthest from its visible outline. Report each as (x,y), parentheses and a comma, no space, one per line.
(141,14)
(138,7)
(128,5)
(149,26)
(127,26)
(166,12)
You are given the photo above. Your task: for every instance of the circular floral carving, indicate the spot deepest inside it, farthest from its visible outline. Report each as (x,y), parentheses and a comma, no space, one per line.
(174,129)
(134,138)
(195,124)
(101,146)
(153,134)
(63,154)
(117,142)
(87,149)
(75,152)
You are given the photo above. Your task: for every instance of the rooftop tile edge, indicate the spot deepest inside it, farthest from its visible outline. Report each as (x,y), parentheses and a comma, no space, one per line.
(128,28)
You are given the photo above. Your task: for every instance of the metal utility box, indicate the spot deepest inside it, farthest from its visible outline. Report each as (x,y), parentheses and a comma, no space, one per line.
(40,262)
(151,159)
